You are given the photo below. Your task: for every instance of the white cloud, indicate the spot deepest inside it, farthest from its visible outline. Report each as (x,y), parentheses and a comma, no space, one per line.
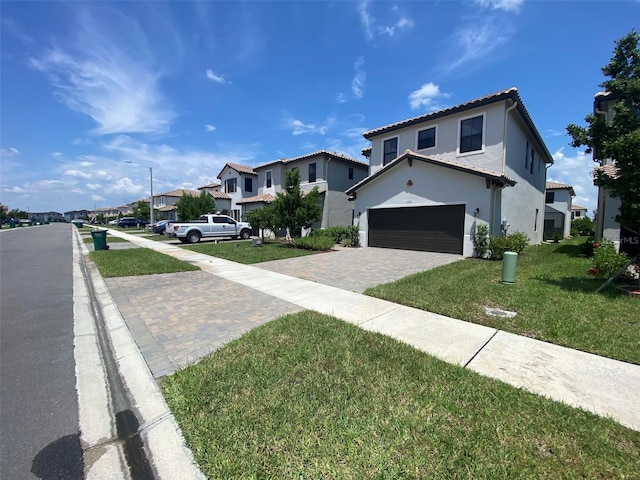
(9,152)
(81,141)
(506,5)
(357,84)
(300,127)
(210,128)
(211,75)
(341,98)
(77,174)
(56,154)
(426,96)
(97,198)
(108,76)
(94,186)
(575,170)
(371,28)
(477,41)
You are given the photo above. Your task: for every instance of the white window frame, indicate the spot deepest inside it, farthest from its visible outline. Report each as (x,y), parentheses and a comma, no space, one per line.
(435,145)
(484,134)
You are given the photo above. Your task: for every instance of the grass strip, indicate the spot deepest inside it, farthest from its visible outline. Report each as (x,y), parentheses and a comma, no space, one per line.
(309,396)
(110,239)
(554,298)
(137,261)
(245,252)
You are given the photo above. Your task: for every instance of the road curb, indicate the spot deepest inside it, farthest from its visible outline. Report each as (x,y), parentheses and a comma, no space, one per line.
(161,437)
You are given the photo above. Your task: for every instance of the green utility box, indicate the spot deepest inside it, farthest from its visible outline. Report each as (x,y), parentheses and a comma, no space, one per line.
(509,263)
(99,240)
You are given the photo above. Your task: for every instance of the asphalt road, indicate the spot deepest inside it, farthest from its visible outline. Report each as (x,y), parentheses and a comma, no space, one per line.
(38,404)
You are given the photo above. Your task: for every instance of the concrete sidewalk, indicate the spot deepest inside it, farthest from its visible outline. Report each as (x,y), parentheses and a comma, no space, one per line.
(597,384)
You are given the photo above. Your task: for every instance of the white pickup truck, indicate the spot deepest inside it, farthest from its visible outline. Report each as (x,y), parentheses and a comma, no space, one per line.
(207,226)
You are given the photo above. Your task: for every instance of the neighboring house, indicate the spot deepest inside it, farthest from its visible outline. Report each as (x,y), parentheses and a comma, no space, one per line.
(608,208)
(557,210)
(578,212)
(433,178)
(238,182)
(76,214)
(46,216)
(223,200)
(165,203)
(332,173)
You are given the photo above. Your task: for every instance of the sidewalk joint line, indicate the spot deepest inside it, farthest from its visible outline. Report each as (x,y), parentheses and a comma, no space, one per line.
(481,348)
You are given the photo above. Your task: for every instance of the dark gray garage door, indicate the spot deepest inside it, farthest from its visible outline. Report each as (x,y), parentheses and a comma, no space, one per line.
(429,229)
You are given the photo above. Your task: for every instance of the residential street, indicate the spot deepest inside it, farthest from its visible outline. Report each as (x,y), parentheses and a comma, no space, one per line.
(39,411)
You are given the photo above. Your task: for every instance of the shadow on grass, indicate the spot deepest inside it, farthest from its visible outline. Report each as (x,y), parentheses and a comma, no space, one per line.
(584,285)
(570,250)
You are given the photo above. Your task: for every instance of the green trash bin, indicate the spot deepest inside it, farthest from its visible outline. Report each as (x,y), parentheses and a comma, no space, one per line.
(12,224)
(99,239)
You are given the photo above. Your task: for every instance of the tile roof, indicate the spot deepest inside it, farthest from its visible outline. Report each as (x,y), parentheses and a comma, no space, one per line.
(262,198)
(239,168)
(335,155)
(220,195)
(408,154)
(556,186)
(578,207)
(509,93)
(607,170)
(178,193)
(211,185)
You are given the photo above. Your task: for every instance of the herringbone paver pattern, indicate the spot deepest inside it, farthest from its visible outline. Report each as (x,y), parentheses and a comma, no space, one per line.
(178,318)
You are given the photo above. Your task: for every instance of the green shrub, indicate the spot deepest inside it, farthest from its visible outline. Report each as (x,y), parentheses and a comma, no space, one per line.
(606,260)
(586,248)
(497,246)
(348,236)
(517,241)
(581,226)
(481,240)
(318,243)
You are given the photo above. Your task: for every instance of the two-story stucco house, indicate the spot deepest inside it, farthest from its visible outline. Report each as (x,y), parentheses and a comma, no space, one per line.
(238,182)
(578,212)
(165,203)
(332,173)
(608,208)
(557,209)
(434,177)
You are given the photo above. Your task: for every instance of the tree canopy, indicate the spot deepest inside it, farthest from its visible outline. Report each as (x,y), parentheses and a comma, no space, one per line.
(190,207)
(291,209)
(618,137)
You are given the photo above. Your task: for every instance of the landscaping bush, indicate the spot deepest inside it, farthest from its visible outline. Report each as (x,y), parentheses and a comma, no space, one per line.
(581,226)
(606,261)
(318,243)
(517,242)
(497,246)
(347,236)
(481,240)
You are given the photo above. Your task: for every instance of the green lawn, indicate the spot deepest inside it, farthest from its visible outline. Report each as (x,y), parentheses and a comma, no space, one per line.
(309,396)
(110,239)
(137,261)
(244,252)
(554,298)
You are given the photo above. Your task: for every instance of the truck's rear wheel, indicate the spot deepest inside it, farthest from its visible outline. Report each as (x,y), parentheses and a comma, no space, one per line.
(193,237)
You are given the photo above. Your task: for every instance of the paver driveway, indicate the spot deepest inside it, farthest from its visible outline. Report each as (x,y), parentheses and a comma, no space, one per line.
(356,269)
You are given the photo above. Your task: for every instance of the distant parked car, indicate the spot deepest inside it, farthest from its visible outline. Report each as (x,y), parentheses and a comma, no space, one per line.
(125,222)
(159,227)
(113,222)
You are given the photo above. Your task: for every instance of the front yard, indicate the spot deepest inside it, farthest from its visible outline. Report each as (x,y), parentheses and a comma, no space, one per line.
(309,396)
(554,298)
(245,252)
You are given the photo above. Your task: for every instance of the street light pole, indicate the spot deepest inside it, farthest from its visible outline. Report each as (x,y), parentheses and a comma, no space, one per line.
(151,219)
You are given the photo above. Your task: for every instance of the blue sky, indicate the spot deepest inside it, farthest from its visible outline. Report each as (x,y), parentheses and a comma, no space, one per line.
(184,87)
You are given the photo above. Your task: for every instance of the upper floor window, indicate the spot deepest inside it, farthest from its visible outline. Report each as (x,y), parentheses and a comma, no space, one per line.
(231,185)
(533,157)
(248,184)
(390,150)
(550,197)
(350,173)
(312,172)
(268,178)
(471,134)
(526,158)
(427,138)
